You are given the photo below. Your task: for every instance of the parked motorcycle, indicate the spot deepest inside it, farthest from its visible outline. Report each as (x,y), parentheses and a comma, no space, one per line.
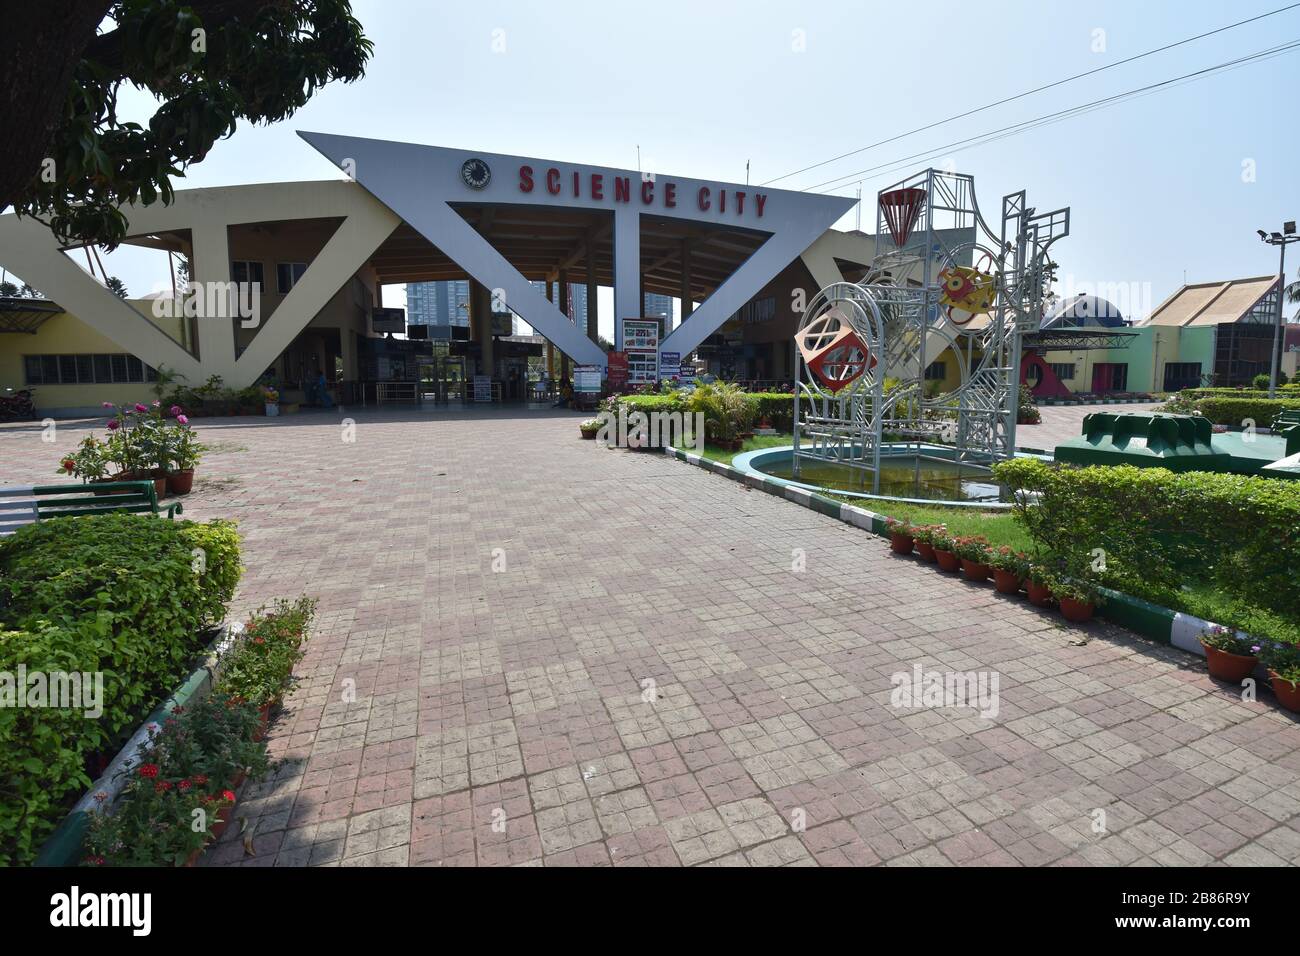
(17,406)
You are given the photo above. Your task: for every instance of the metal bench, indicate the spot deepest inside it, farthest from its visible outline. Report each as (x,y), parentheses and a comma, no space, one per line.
(23,506)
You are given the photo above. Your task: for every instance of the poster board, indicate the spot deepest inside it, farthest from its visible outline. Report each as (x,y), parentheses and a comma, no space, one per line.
(586,379)
(482,388)
(617,371)
(384,320)
(670,366)
(641,335)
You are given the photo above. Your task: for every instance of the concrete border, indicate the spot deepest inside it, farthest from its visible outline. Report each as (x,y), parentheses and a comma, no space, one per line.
(64,846)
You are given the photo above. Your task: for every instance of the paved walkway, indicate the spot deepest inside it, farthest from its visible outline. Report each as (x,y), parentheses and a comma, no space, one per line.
(533,650)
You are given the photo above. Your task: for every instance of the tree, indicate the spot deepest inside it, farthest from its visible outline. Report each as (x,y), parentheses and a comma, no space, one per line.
(8,290)
(116,286)
(70,161)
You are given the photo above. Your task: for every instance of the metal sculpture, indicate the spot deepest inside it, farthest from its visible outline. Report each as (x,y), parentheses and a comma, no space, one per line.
(942,282)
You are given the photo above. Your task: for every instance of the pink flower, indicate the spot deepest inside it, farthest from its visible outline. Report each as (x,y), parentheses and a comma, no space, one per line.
(114,425)
(174,411)
(106,405)
(182,420)
(141,408)
(157,403)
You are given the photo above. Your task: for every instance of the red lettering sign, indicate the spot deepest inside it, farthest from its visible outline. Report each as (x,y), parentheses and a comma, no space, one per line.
(597,186)
(622,189)
(670,195)
(759,202)
(703,199)
(647,191)
(525,179)
(553,181)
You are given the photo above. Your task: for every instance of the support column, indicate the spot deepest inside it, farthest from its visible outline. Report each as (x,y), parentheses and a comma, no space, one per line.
(687,306)
(593,329)
(216,336)
(566,307)
(627,269)
(480,312)
(550,349)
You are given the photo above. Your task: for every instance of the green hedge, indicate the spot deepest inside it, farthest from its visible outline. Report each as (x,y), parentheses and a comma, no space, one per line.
(125,595)
(776,407)
(1162,532)
(1235,411)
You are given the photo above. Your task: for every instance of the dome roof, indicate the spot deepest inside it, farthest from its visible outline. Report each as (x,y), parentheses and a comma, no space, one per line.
(1083,310)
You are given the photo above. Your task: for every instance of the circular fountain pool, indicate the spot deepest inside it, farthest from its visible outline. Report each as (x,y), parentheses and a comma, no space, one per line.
(909,472)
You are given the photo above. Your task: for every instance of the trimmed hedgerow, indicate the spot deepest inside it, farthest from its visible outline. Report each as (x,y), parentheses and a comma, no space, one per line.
(776,407)
(1236,411)
(128,596)
(1163,533)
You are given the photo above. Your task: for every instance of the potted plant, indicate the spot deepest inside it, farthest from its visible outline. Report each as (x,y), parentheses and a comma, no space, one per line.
(923,536)
(1078,597)
(1283,663)
(1009,569)
(1038,585)
(973,551)
(89,462)
(1228,656)
(589,428)
(901,538)
(945,550)
(271,401)
(185,452)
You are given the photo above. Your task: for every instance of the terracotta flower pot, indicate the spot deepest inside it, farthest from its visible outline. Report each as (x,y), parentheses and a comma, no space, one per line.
(1230,667)
(1039,594)
(974,570)
(1007,582)
(1075,610)
(926,551)
(947,560)
(900,543)
(589,435)
(181,482)
(1287,693)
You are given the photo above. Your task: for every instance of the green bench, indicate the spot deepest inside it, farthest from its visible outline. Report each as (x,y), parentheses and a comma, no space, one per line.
(24,506)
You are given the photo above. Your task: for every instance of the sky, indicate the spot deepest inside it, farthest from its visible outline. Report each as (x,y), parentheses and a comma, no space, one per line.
(1165,187)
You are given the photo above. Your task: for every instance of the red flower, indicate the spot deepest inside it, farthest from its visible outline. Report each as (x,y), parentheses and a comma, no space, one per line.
(200,779)
(183,785)
(162,786)
(69,465)
(259,640)
(228,796)
(149,770)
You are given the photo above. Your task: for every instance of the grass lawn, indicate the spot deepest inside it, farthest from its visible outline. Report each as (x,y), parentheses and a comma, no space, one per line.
(724,455)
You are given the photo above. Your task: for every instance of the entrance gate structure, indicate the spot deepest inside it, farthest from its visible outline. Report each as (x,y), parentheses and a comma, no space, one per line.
(942,282)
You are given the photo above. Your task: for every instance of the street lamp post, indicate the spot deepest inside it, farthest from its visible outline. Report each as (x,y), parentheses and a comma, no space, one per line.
(1281,240)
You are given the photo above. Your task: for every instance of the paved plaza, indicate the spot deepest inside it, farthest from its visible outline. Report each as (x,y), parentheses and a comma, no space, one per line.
(534,650)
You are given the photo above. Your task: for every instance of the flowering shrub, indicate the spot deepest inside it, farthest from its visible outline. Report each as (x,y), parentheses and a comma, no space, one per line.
(898,526)
(972,548)
(1225,639)
(258,667)
(1005,558)
(181,786)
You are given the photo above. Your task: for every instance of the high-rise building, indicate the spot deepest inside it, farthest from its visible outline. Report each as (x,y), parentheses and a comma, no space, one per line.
(577,299)
(438,303)
(659,307)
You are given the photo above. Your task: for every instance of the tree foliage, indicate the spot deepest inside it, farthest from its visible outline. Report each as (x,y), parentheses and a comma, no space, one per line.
(74,161)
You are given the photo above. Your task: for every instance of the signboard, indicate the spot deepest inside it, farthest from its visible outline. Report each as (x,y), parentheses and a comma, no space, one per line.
(641,335)
(586,379)
(688,373)
(670,365)
(617,370)
(482,388)
(642,368)
(388,320)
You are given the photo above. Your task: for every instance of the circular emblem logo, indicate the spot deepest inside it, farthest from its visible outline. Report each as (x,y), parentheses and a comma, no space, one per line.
(475,173)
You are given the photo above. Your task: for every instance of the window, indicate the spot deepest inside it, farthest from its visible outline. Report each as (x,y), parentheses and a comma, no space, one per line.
(85,369)
(1063,370)
(243,271)
(1180,375)
(936,371)
(287,275)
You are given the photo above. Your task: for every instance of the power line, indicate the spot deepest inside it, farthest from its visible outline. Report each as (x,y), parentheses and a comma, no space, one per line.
(1009,99)
(1026,125)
